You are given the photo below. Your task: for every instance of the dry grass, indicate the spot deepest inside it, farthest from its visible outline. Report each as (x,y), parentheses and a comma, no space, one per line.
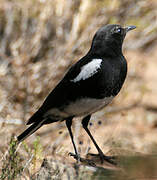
(39,40)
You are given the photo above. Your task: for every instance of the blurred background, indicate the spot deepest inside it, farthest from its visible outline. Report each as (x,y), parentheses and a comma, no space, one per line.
(41,39)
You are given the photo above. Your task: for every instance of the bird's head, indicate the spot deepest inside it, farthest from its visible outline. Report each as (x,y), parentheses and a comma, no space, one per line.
(109,39)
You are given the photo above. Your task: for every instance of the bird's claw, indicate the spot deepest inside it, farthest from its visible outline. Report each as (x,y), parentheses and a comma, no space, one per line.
(82,160)
(110,159)
(75,156)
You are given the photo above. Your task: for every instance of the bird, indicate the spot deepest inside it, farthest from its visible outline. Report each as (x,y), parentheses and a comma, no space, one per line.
(88,86)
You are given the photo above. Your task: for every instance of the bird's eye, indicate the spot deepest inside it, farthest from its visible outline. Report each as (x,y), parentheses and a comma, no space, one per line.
(118,30)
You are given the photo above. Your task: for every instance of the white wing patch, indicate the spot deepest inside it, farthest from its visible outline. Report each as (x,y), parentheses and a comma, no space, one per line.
(88,70)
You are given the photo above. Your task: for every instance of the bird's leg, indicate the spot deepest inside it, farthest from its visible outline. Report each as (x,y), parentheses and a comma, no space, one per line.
(68,124)
(85,122)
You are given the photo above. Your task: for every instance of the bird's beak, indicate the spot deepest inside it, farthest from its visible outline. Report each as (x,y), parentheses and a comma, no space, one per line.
(129,28)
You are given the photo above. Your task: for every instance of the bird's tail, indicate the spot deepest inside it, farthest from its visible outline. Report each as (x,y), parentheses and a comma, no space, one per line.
(34,127)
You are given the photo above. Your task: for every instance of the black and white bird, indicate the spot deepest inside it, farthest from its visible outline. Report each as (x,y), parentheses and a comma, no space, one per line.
(88,86)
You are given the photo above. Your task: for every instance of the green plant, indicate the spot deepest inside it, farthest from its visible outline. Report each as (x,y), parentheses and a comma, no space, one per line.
(37,151)
(12,166)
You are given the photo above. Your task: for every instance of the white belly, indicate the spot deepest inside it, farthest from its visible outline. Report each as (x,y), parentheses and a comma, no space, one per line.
(80,107)
(86,106)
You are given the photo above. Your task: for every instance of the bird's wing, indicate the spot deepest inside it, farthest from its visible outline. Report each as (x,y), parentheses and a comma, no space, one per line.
(76,83)
(57,96)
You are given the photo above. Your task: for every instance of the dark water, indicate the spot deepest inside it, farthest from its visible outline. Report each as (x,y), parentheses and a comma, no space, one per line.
(143,167)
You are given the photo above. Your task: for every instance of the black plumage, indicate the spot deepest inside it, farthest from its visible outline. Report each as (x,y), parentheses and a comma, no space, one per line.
(88,86)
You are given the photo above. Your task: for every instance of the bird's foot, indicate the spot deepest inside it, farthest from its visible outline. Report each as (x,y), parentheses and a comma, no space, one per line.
(75,156)
(109,159)
(82,160)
